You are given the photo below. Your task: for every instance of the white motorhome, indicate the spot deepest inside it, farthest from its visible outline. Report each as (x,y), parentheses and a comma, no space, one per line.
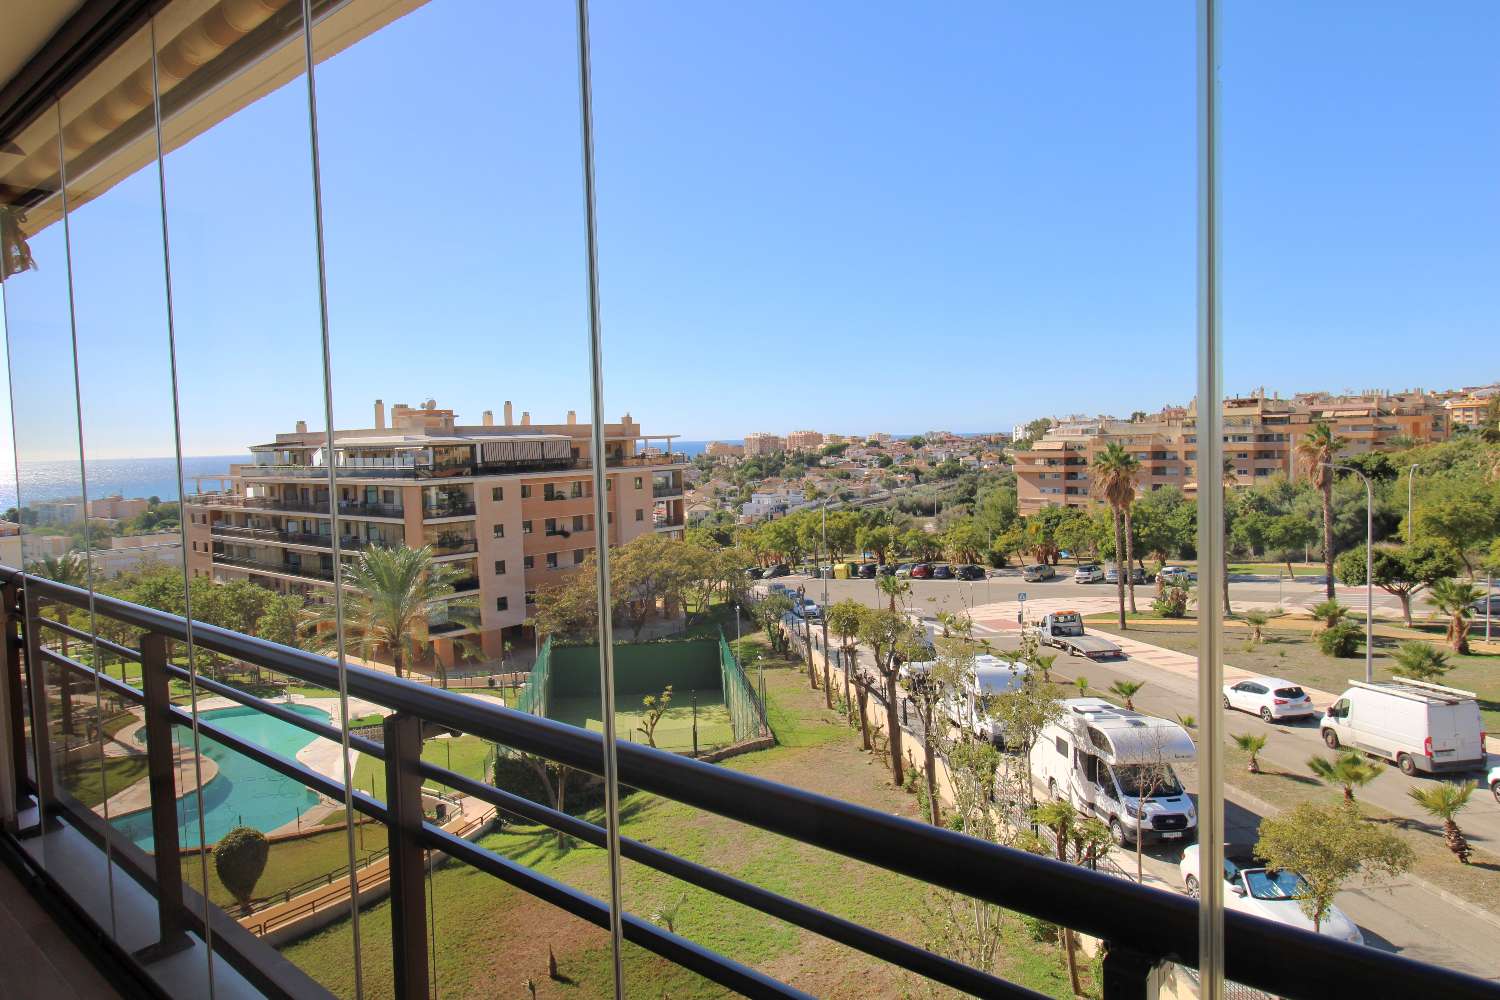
(1117,765)
(1418,726)
(968,710)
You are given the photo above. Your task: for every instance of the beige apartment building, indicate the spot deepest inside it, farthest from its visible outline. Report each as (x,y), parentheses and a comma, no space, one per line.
(1468,407)
(1260,440)
(509,504)
(804,441)
(723,449)
(761,443)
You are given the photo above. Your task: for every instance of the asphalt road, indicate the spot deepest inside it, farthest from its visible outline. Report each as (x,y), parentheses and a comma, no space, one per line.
(1399,918)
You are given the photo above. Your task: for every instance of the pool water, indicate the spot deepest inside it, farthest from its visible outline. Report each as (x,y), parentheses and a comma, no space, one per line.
(245,792)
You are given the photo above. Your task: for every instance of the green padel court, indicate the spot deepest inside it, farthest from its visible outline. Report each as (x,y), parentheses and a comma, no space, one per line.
(673,732)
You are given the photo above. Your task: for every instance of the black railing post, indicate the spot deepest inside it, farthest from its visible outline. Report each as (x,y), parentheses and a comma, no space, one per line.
(41,738)
(403,795)
(1130,975)
(10,608)
(161,776)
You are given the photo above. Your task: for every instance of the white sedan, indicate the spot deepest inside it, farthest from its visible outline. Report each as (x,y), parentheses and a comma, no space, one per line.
(1271,698)
(1494,780)
(1251,887)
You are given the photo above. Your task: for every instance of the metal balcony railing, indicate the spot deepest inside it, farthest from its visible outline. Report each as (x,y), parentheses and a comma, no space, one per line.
(665,490)
(291,569)
(458,509)
(1140,927)
(346,542)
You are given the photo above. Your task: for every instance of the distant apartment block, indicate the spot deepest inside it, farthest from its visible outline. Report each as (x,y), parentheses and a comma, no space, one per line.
(761,443)
(509,504)
(1468,408)
(1260,440)
(118,507)
(804,441)
(723,449)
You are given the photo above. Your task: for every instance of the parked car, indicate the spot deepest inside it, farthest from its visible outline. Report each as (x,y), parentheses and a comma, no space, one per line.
(867,571)
(1176,574)
(1494,780)
(942,571)
(809,610)
(904,570)
(1251,887)
(1112,574)
(971,572)
(1418,726)
(1479,607)
(886,569)
(754,573)
(1088,573)
(921,571)
(1037,573)
(780,569)
(1271,698)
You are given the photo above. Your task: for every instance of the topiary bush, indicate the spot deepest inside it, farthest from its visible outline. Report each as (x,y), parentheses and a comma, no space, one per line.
(240,859)
(1343,639)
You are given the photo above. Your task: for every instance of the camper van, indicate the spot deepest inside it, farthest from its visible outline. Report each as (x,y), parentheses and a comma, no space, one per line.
(966,709)
(1418,726)
(1101,758)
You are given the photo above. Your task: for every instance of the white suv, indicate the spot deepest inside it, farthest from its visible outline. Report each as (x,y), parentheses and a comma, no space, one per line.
(1271,698)
(1089,573)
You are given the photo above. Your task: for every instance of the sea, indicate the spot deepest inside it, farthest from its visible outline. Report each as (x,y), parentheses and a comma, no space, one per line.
(143,477)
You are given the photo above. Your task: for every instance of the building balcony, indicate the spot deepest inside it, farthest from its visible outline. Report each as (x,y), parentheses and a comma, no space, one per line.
(266,566)
(274,536)
(658,491)
(439,511)
(347,508)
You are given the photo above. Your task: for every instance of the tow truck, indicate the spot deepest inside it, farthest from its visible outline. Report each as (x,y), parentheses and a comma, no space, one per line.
(1064,629)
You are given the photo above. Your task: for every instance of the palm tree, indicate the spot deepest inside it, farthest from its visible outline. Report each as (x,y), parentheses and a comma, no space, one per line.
(71,568)
(1420,661)
(1330,613)
(1114,471)
(388,596)
(1446,801)
(1083,686)
(894,587)
(1351,770)
(1317,451)
(1456,600)
(1252,744)
(1126,690)
(1257,620)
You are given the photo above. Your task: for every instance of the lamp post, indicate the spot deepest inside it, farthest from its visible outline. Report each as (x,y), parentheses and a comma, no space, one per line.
(822,573)
(1369,569)
(1411,474)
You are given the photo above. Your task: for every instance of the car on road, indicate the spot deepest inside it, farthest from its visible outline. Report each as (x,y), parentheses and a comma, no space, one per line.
(867,571)
(1418,726)
(971,572)
(780,569)
(809,610)
(754,573)
(1271,698)
(886,569)
(1251,887)
(1038,572)
(1479,607)
(1089,573)
(904,570)
(921,571)
(942,571)
(1494,780)
(1176,574)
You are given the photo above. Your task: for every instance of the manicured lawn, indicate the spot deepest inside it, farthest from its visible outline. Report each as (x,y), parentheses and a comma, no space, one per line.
(674,731)
(491,937)
(465,754)
(90,785)
(293,862)
(1295,656)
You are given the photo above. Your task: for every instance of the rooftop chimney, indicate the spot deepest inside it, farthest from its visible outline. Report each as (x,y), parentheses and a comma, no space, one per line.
(302,427)
(380,414)
(488,419)
(525,418)
(508,420)
(572,417)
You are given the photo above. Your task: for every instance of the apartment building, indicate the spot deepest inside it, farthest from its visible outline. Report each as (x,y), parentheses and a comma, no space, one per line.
(1468,407)
(723,449)
(509,504)
(1260,437)
(804,441)
(761,443)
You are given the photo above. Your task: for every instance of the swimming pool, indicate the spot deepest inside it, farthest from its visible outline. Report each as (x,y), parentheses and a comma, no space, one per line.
(245,792)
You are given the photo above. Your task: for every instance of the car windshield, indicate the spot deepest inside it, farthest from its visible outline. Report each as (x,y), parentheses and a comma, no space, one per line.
(1291,692)
(1134,778)
(1262,883)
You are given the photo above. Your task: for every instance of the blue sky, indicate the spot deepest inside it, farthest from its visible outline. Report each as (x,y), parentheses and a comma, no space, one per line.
(844,216)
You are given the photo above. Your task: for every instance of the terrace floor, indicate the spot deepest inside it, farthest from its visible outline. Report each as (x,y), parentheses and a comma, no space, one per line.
(40,959)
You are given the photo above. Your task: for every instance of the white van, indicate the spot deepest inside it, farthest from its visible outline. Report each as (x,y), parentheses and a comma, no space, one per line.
(1099,756)
(1419,726)
(967,710)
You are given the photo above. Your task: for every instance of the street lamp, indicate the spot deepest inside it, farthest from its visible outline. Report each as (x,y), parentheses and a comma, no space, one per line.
(1369,569)
(1411,474)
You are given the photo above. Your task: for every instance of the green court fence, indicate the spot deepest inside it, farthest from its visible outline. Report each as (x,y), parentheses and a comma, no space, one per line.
(536,694)
(747,713)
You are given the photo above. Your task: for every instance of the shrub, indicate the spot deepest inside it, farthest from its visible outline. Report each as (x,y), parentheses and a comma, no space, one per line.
(1343,639)
(1172,602)
(240,859)
(1420,661)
